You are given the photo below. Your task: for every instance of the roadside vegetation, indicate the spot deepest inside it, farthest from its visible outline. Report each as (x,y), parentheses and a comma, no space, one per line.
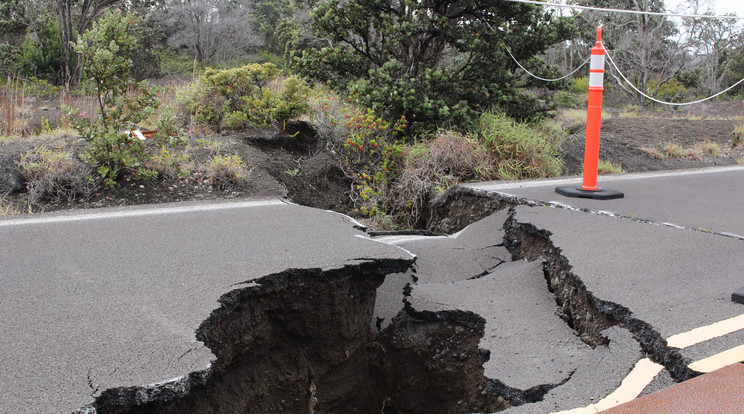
(434,101)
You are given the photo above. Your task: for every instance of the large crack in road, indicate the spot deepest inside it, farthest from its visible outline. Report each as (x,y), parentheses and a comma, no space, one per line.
(491,318)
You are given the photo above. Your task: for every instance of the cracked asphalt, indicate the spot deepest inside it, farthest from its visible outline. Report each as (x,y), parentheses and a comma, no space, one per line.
(95,300)
(113,298)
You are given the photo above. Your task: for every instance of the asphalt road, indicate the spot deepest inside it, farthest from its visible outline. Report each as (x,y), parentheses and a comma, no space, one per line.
(112,298)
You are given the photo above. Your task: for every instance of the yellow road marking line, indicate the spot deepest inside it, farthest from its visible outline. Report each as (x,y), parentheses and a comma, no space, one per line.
(706,333)
(632,385)
(646,370)
(720,360)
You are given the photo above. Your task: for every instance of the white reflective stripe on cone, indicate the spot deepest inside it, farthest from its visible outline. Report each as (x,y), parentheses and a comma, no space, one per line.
(596,79)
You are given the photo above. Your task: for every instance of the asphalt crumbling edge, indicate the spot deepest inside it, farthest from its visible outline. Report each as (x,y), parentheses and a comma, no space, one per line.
(584,312)
(240,324)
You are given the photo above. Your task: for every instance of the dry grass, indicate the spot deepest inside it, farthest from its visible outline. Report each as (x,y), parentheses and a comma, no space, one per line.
(6,208)
(55,175)
(677,151)
(608,167)
(226,171)
(433,167)
(707,148)
(653,152)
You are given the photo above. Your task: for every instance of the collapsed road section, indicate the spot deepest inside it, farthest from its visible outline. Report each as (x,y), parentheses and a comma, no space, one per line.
(193,309)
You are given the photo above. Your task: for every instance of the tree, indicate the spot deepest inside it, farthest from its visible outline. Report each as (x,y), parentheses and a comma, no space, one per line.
(73,18)
(643,46)
(107,50)
(436,62)
(266,15)
(712,42)
(210,29)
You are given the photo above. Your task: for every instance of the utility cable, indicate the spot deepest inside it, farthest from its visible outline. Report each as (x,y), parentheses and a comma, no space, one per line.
(665,14)
(537,77)
(612,62)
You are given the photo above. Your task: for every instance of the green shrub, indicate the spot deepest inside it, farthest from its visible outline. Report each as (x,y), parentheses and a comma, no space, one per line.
(671,91)
(40,52)
(579,85)
(564,99)
(107,49)
(55,175)
(520,151)
(244,97)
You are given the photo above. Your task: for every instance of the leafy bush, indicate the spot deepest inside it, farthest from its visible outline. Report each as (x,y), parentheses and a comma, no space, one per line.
(579,85)
(672,91)
(367,146)
(170,163)
(55,175)
(422,60)
(40,52)
(564,99)
(244,97)
(107,49)
(519,151)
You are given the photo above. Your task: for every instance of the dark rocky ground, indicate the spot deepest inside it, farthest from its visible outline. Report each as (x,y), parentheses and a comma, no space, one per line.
(296,164)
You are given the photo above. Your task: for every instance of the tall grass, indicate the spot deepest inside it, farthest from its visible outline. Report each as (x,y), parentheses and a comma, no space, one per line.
(521,151)
(21,98)
(12,106)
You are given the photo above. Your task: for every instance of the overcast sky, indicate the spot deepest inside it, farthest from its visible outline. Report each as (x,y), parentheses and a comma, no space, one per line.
(720,6)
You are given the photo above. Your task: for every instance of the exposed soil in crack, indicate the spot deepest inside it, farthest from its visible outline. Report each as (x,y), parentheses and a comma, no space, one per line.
(585,313)
(299,341)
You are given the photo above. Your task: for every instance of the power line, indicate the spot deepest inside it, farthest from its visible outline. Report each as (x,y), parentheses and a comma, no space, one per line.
(612,62)
(537,77)
(665,14)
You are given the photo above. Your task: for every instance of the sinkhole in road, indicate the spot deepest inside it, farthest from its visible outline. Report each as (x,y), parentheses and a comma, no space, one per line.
(300,341)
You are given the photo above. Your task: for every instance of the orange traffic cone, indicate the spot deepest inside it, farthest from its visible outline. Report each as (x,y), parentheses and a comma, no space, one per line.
(589,187)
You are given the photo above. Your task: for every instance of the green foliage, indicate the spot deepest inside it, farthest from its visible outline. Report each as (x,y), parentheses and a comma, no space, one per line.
(9,59)
(40,52)
(519,151)
(672,91)
(266,16)
(55,175)
(580,85)
(106,50)
(368,146)
(371,153)
(563,99)
(436,63)
(244,97)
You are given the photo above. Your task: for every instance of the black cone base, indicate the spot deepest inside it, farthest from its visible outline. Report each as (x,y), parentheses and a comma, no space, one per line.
(738,296)
(599,194)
